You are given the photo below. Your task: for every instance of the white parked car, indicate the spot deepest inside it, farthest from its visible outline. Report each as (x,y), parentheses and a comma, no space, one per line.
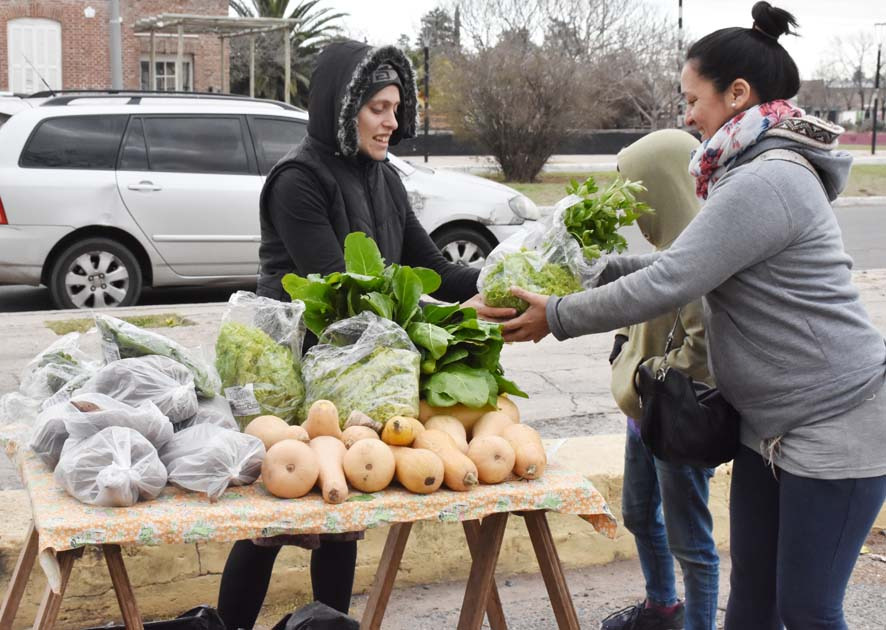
(104,194)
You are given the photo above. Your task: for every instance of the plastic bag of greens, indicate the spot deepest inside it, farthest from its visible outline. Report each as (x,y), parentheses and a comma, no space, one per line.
(207,458)
(364,363)
(543,259)
(48,379)
(116,467)
(168,383)
(122,340)
(54,368)
(257,354)
(216,411)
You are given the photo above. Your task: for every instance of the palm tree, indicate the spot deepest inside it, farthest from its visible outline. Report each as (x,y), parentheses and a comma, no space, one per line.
(315,27)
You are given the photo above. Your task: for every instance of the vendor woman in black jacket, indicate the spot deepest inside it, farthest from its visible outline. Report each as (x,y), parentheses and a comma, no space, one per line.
(335,182)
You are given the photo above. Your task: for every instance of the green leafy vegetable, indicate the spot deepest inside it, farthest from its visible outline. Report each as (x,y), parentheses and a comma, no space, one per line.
(594,222)
(365,363)
(248,357)
(526,269)
(460,354)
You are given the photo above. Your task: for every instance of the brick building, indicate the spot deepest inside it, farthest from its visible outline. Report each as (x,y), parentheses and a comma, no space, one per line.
(67,42)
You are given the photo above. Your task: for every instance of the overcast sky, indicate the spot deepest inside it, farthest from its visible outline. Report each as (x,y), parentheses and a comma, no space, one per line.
(382,21)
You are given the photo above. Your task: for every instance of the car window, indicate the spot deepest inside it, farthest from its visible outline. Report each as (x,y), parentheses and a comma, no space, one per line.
(275,137)
(196,145)
(134,156)
(78,142)
(3,119)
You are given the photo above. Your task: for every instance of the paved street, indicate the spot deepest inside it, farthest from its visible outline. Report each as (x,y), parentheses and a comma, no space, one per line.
(864,233)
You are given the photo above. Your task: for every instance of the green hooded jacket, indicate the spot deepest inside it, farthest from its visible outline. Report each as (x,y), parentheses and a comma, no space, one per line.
(661,161)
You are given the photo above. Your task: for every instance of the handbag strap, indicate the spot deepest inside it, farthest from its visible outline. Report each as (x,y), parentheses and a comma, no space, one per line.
(663,369)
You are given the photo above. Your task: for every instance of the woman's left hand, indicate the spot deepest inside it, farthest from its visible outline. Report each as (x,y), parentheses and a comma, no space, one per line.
(489,313)
(532,325)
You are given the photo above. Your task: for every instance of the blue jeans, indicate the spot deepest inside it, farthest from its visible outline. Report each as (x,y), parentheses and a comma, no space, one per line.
(794,543)
(665,507)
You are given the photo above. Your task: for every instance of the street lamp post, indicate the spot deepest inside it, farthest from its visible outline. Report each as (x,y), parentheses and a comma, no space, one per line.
(879,30)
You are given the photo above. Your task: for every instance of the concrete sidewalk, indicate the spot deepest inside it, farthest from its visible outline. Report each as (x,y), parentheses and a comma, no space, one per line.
(569,403)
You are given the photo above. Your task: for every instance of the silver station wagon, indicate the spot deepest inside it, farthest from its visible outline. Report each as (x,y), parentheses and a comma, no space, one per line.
(104,194)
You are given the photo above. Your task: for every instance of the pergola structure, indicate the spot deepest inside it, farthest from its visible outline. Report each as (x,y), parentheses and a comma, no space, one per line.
(224,28)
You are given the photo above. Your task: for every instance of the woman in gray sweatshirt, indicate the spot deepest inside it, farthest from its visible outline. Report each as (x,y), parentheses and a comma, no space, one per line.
(789,341)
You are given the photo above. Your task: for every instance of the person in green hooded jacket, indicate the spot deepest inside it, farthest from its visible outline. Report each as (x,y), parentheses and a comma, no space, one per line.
(664,505)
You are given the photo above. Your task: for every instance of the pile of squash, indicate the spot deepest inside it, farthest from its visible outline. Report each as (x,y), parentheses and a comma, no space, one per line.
(458,447)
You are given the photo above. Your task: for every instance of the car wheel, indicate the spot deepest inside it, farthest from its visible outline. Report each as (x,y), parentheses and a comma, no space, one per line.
(464,246)
(95,273)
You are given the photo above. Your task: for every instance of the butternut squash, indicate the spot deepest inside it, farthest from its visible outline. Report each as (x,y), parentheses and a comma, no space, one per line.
(417,426)
(530,458)
(453,427)
(398,431)
(418,470)
(466,415)
(492,423)
(459,472)
(369,465)
(269,429)
(290,469)
(509,407)
(330,453)
(358,418)
(322,420)
(297,432)
(493,456)
(356,433)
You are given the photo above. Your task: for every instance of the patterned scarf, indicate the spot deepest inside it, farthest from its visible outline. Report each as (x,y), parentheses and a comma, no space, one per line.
(710,161)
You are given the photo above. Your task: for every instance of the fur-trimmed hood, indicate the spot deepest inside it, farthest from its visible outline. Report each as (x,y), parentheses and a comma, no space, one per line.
(341,78)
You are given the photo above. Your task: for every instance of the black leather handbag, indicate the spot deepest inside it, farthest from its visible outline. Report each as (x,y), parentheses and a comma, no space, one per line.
(685,421)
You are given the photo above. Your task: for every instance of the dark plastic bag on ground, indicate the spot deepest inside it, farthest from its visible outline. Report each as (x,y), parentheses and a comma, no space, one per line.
(199,618)
(166,383)
(116,467)
(207,458)
(317,616)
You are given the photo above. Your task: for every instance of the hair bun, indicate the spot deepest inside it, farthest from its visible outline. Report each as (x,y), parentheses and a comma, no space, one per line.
(773,21)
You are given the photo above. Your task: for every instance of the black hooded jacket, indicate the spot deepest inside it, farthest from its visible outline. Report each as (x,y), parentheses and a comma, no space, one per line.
(325,189)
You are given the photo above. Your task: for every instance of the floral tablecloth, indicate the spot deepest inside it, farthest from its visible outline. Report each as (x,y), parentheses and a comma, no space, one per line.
(177,516)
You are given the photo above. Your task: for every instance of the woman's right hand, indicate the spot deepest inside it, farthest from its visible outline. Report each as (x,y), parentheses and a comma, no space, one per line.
(532,325)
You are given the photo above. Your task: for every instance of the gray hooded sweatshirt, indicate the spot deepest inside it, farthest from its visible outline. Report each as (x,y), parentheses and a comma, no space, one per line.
(789,341)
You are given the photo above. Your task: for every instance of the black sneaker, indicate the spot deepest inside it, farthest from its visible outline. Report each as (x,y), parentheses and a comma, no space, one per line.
(639,617)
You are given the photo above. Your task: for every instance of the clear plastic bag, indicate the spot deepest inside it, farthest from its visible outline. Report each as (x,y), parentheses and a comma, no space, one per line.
(116,467)
(50,435)
(207,458)
(257,355)
(364,363)
(167,383)
(55,367)
(216,411)
(48,379)
(89,413)
(122,340)
(543,259)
